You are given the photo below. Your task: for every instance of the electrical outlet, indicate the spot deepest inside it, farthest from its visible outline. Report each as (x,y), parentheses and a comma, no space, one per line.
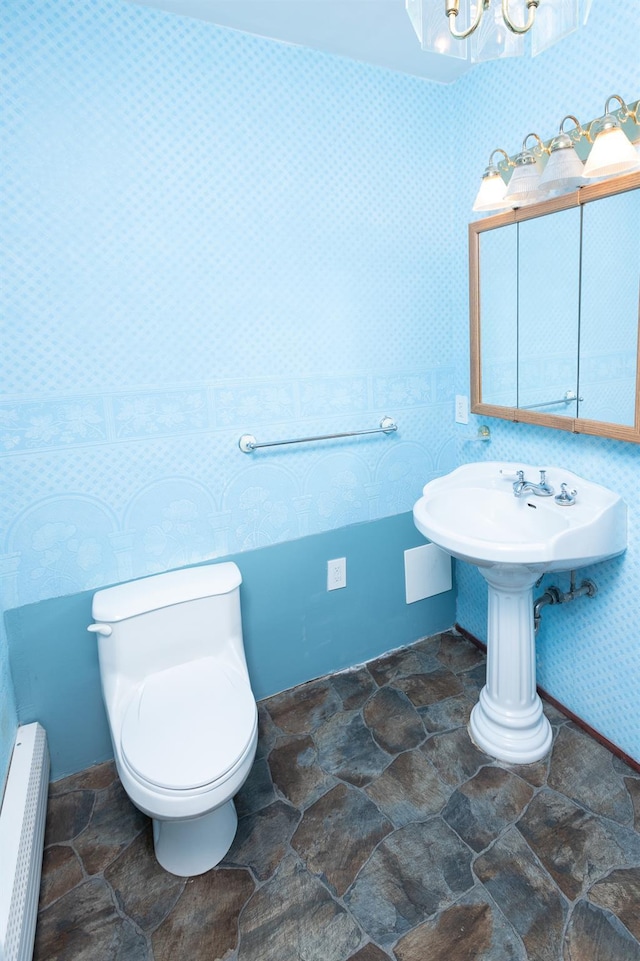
(462,409)
(336,573)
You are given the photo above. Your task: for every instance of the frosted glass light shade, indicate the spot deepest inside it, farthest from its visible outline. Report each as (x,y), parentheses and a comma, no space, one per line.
(564,171)
(492,193)
(524,186)
(612,153)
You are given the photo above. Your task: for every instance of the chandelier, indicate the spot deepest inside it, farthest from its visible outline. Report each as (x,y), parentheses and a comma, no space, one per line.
(477,30)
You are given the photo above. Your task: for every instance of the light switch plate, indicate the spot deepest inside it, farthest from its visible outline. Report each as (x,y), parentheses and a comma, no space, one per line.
(462,409)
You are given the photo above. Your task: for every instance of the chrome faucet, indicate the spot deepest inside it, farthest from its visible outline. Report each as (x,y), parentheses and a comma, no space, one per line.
(522,486)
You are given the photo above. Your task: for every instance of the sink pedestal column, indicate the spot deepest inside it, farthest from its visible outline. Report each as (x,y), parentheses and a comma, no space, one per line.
(507,722)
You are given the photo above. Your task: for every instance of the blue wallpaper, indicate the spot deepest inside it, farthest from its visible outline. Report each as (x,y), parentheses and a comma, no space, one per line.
(587,651)
(213,234)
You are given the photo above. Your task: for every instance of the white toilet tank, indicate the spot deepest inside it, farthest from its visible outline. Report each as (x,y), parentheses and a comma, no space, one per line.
(168,619)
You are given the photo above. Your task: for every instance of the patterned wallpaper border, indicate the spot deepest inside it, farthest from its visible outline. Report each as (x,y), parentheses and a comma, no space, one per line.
(79,420)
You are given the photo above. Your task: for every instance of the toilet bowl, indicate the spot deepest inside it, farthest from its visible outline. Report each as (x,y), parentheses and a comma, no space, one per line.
(181,712)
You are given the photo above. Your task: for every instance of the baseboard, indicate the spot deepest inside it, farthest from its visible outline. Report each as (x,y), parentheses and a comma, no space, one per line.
(22,821)
(577,720)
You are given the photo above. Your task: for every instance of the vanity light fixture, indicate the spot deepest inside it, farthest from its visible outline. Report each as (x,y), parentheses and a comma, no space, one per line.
(612,152)
(493,189)
(524,186)
(615,149)
(476,30)
(564,170)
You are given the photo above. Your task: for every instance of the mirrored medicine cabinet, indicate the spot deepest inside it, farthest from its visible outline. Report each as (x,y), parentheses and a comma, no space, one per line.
(555,311)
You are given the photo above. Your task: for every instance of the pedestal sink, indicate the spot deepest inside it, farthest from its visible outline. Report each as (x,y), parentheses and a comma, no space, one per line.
(474,515)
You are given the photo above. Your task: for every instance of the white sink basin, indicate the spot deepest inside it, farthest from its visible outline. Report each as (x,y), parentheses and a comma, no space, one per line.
(473,514)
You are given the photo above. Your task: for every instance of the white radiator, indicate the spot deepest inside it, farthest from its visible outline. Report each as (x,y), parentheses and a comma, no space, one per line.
(22,820)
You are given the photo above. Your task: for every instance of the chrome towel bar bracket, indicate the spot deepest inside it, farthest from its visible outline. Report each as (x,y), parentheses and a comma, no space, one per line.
(248,443)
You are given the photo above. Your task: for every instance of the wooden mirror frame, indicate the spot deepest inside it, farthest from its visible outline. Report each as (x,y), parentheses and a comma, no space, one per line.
(577,425)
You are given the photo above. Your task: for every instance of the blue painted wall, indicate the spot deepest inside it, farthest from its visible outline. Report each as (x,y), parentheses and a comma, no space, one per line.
(293,630)
(212,234)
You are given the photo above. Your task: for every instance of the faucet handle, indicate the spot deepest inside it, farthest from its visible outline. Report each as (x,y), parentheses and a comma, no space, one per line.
(543,477)
(565,498)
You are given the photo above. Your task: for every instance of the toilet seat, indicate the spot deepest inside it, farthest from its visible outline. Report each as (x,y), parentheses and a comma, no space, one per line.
(189,726)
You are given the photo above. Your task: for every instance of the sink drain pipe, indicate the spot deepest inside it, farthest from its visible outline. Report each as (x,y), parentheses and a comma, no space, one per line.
(553,595)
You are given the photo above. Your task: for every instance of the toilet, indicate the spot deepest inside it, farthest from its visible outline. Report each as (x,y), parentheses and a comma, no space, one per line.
(182,715)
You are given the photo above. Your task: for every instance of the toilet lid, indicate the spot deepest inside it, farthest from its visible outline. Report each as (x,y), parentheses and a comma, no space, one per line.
(189,725)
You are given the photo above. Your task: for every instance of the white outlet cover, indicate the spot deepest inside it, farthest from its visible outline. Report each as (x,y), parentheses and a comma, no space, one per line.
(427,571)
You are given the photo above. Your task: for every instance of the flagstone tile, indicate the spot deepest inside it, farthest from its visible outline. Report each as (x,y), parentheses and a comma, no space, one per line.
(347,750)
(293,915)
(446,715)
(144,891)
(258,791)
(584,771)
(68,815)
(409,789)
(454,756)
(595,935)
(393,721)
(404,662)
(370,828)
(425,689)
(525,894)
(301,709)
(296,772)
(415,872)
(619,892)
(535,773)
(61,871)
(633,787)
(485,804)
(574,846)
(268,733)
(457,654)
(427,645)
(262,839)
(93,778)
(369,953)
(85,925)
(474,680)
(337,835)
(472,929)
(354,687)
(204,922)
(114,823)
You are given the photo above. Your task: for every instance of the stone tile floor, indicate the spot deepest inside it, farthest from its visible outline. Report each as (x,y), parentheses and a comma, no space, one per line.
(370,828)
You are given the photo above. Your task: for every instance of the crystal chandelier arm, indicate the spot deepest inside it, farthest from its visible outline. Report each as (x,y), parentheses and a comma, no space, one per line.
(532,6)
(452,9)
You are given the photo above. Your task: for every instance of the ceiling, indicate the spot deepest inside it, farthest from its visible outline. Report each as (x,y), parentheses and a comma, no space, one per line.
(373,31)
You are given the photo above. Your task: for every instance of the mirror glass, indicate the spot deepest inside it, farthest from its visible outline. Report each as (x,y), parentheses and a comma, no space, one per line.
(609,308)
(548,312)
(555,306)
(499,310)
